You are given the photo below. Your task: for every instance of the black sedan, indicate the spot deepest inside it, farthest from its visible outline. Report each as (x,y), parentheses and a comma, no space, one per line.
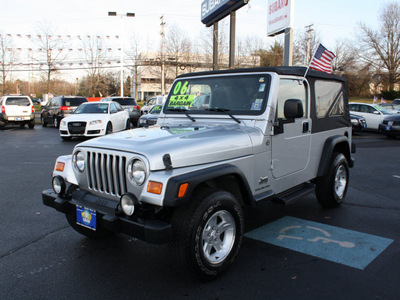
(150,118)
(391,126)
(358,123)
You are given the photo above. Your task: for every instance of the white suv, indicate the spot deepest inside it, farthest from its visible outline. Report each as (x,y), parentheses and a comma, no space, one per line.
(17,109)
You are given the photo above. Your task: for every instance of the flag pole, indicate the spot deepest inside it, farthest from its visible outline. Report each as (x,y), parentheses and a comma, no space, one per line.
(309,64)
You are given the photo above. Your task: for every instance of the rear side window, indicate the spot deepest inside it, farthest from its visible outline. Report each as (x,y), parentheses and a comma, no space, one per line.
(21,101)
(74,101)
(329,98)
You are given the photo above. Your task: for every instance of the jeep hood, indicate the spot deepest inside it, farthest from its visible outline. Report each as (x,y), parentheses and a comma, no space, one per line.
(186,145)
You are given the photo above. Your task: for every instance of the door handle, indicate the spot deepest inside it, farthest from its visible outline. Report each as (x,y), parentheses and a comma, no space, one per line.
(306,127)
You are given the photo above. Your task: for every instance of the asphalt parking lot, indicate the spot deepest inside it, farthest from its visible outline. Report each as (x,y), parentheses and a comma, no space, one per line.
(300,251)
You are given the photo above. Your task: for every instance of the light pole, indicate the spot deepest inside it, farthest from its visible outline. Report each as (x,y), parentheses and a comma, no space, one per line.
(114,14)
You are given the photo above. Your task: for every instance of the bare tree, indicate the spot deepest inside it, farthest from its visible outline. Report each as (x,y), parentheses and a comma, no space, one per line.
(346,57)
(51,51)
(248,51)
(381,48)
(178,47)
(304,47)
(94,54)
(8,57)
(135,58)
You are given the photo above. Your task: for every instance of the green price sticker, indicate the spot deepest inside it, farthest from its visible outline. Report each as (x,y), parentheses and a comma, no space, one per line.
(181,100)
(179,89)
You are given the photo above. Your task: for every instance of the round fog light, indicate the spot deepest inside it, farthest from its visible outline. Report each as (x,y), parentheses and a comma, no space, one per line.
(128,202)
(59,185)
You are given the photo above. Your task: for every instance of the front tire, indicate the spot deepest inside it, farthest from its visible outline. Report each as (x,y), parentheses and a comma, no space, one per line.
(331,188)
(207,234)
(109,129)
(44,123)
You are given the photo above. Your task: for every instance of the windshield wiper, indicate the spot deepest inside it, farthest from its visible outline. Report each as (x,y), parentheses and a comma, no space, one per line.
(184,111)
(224,110)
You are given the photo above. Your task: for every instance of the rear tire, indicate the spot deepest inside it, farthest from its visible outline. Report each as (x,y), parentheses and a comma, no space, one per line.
(128,125)
(56,122)
(207,234)
(31,125)
(331,188)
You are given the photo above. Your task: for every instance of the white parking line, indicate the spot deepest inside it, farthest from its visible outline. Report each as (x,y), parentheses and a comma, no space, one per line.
(396,176)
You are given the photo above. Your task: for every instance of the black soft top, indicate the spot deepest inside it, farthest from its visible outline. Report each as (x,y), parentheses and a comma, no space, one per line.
(297,71)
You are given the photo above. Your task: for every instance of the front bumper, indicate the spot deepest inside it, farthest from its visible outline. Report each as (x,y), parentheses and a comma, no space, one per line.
(389,129)
(152,231)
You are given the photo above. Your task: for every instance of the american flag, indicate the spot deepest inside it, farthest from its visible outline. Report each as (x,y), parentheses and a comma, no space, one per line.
(322,59)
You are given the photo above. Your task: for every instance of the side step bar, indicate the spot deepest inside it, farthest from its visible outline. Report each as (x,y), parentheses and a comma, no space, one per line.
(293,194)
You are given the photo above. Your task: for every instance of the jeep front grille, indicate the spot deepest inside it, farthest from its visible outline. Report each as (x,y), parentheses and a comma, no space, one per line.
(106,173)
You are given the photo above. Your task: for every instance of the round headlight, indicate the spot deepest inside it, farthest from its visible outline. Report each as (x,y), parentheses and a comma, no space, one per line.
(59,185)
(137,171)
(128,203)
(79,161)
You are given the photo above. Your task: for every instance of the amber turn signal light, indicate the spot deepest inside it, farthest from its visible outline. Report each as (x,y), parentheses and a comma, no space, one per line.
(182,190)
(60,166)
(154,187)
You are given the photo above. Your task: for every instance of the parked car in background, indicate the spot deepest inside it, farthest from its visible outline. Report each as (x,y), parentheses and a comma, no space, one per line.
(396,101)
(17,110)
(358,123)
(58,108)
(372,113)
(130,105)
(150,118)
(393,108)
(156,100)
(94,119)
(391,126)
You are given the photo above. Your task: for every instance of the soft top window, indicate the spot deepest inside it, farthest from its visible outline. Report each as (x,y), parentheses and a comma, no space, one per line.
(239,94)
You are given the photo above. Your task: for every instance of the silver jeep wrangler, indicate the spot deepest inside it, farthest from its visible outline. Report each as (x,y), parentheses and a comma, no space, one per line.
(224,140)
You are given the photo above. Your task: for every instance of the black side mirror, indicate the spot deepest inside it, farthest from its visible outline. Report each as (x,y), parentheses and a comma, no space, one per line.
(293,109)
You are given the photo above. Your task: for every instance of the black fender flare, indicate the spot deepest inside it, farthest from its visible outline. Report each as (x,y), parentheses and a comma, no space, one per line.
(194,179)
(327,152)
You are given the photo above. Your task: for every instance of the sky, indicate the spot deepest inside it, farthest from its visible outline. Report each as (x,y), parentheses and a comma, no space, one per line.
(333,20)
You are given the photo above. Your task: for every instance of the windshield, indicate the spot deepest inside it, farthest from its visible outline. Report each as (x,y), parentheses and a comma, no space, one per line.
(92,108)
(239,94)
(155,110)
(382,110)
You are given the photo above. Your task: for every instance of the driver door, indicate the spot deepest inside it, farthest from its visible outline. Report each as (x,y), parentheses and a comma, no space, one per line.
(291,142)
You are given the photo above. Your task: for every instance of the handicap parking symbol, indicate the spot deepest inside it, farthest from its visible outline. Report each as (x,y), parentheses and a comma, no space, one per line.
(348,247)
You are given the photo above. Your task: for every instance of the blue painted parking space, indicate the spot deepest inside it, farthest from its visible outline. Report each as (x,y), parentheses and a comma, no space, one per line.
(347,247)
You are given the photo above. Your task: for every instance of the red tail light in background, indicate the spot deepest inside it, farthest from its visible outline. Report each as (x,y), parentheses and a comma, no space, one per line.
(33,109)
(3,109)
(137,107)
(64,108)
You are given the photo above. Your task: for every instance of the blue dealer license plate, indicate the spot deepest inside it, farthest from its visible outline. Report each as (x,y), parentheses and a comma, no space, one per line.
(86,217)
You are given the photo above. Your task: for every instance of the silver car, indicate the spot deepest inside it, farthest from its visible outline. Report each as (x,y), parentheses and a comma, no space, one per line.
(129,104)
